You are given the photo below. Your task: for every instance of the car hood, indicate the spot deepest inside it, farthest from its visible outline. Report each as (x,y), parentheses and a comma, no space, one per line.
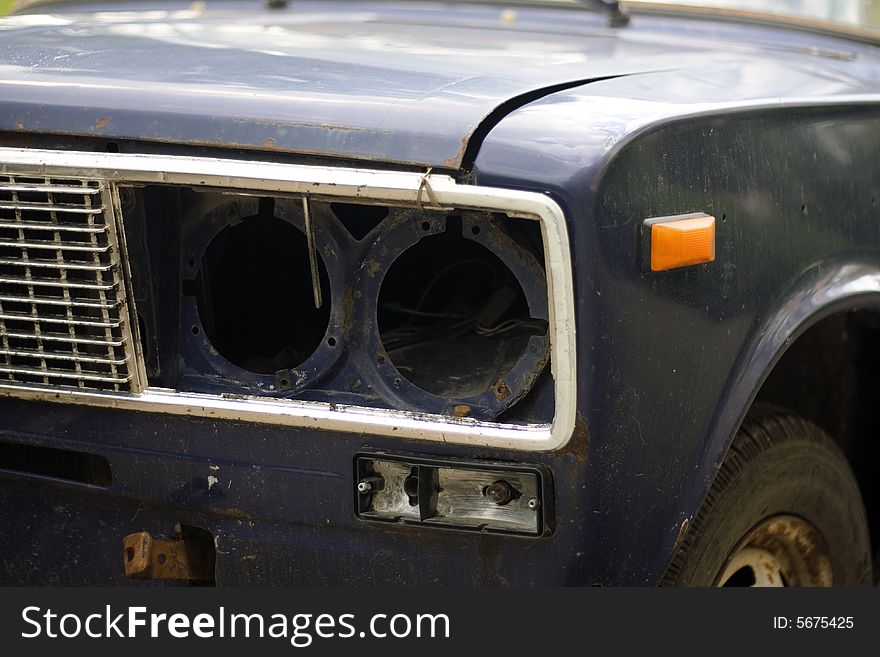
(402,84)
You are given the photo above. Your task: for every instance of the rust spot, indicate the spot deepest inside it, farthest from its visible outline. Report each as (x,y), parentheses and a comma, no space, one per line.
(343,128)
(347,311)
(268,143)
(146,557)
(455,161)
(19,125)
(373,267)
(461,410)
(102,122)
(501,390)
(579,443)
(299,124)
(790,539)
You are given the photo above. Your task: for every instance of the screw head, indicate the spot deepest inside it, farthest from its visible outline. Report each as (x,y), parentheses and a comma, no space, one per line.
(500,492)
(533,503)
(364,487)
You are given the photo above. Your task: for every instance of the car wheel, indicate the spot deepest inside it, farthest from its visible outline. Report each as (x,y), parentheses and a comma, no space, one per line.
(784,510)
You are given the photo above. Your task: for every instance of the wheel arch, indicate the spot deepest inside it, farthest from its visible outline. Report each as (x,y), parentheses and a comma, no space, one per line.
(825,291)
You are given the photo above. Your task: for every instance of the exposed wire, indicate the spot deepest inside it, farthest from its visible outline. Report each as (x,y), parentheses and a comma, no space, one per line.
(536,326)
(453,265)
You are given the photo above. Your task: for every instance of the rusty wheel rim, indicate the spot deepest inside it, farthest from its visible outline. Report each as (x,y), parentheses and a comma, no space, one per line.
(780,551)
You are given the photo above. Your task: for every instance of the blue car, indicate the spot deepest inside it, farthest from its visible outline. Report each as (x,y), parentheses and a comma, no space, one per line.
(364,293)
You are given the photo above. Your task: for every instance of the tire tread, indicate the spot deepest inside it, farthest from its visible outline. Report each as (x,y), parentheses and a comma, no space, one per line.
(764,427)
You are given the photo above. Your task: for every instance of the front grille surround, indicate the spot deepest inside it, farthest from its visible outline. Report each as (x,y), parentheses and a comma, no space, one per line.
(429,191)
(63,312)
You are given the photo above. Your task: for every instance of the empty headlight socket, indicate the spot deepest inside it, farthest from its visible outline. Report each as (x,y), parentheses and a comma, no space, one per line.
(490,497)
(482,237)
(426,311)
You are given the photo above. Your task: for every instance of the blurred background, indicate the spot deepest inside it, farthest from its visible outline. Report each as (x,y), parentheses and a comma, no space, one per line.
(851,12)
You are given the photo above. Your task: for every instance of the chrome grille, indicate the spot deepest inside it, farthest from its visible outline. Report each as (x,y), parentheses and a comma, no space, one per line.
(62,315)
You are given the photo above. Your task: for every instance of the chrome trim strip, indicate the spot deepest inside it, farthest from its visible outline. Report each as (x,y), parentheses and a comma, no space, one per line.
(308,415)
(401,188)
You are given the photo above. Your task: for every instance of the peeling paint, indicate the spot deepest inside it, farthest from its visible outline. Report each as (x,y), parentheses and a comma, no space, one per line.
(212,480)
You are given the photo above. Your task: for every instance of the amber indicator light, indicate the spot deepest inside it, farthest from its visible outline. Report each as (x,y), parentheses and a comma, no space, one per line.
(681,241)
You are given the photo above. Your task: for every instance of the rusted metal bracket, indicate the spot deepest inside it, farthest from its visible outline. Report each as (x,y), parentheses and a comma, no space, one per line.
(154,558)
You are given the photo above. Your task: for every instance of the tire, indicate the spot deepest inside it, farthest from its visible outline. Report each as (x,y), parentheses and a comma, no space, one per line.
(784,498)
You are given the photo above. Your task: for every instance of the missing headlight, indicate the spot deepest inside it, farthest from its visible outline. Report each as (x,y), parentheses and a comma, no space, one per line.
(453,318)
(429,311)
(255,297)
(255,302)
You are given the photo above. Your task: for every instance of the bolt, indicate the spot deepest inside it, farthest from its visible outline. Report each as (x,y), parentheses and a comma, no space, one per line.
(371,484)
(500,492)
(533,503)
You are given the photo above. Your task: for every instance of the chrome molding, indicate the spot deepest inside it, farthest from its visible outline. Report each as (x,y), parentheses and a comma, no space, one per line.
(399,188)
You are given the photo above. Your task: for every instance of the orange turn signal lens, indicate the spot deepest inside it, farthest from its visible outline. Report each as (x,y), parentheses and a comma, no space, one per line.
(681,241)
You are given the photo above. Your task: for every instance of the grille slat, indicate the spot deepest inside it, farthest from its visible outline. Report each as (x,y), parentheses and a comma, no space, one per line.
(50,301)
(46,207)
(45,282)
(42,355)
(20,317)
(50,337)
(54,246)
(79,376)
(54,264)
(62,313)
(37,225)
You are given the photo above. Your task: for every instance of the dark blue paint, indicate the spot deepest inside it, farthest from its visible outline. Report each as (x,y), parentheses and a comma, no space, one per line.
(387,83)
(675,358)
(668,363)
